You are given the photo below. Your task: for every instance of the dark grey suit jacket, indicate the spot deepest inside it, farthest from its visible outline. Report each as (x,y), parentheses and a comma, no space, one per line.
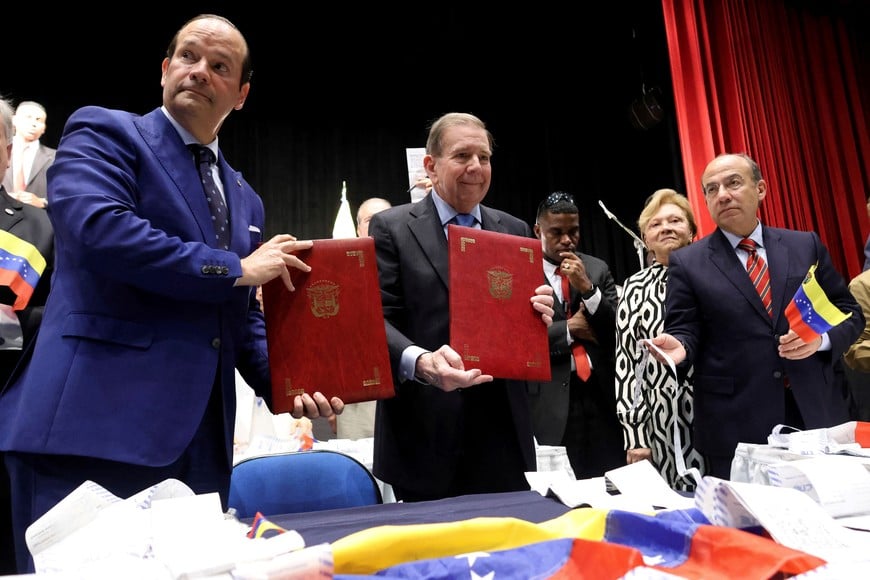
(38,182)
(419,432)
(549,400)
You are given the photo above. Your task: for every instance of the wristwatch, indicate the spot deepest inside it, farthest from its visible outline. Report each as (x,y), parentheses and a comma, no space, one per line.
(590,294)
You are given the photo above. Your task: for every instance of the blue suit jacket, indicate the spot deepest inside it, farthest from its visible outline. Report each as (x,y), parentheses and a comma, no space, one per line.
(143,315)
(714,310)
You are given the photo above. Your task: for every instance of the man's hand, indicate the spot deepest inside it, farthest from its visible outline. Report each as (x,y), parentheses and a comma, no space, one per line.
(272,259)
(315,406)
(792,347)
(637,455)
(444,369)
(575,270)
(579,327)
(669,345)
(542,301)
(31,198)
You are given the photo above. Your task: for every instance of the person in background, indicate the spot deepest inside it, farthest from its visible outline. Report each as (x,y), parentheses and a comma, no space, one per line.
(132,379)
(24,224)
(358,419)
(420,188)
(650,413)
(366,210)
(577,412)
(449,430)
(25,177)
(857,358)
(867,243)
(751,371)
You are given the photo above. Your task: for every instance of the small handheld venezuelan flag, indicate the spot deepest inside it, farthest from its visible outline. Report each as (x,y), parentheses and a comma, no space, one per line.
(810,313)
(21,266)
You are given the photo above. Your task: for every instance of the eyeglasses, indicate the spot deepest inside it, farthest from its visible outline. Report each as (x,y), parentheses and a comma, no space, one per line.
(556,197)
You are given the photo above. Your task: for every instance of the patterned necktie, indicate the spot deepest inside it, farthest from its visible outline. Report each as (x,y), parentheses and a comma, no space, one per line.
(581,359)
(219,215)
(758,273)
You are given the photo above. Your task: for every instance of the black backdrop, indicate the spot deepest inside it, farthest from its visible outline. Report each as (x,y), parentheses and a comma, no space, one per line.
(339,92)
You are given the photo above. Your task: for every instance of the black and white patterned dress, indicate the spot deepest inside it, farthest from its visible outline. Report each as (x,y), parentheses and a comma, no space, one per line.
(639,315)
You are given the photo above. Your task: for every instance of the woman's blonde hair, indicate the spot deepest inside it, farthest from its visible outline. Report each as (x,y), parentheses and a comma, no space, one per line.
(662,197)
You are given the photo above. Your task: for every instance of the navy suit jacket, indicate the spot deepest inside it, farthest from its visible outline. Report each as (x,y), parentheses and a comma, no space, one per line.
(714,310)
(143,319)
(418,432)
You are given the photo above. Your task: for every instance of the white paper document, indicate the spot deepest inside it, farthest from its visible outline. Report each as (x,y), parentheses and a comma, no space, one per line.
(164,532)
(416,171)
(643,482)
(839,484)
(641,489)
(790,516)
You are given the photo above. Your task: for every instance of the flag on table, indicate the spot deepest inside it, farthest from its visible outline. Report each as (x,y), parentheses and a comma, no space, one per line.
(810,313)
(21,266)
(344,227)
(560,559)
(595,543)
(264,528)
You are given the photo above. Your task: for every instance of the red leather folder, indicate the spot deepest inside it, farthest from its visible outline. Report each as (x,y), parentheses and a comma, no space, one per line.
(328,335)
(492,323)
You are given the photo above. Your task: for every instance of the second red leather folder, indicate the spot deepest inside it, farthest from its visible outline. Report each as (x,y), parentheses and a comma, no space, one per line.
(329,334)
(492,323)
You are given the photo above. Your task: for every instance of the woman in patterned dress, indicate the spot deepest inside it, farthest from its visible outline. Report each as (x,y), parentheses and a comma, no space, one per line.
(666,224)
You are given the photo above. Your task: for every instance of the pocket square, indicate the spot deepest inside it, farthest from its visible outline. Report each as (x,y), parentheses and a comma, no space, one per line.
(254,229)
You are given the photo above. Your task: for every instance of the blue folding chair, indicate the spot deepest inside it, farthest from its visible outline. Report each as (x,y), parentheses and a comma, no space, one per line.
(300,481)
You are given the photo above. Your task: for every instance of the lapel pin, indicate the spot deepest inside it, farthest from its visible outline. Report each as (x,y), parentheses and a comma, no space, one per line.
(9,211)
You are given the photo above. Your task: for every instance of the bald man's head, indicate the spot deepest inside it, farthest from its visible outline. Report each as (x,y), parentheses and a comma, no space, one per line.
(367,209)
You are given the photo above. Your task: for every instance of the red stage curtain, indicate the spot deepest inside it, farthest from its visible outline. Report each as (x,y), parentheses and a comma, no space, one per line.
(782,82)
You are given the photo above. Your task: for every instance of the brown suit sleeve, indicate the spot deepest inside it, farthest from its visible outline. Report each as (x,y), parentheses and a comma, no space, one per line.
(858,355)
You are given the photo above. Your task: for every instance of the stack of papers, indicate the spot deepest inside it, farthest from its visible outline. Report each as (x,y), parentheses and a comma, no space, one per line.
(165,531)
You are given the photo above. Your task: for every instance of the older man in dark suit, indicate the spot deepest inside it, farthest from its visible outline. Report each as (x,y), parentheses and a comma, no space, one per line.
(449,430)
(752,372)
(577,409)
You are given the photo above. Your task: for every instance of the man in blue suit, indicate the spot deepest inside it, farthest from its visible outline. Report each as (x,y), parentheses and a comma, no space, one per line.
(751,371)
(132,376)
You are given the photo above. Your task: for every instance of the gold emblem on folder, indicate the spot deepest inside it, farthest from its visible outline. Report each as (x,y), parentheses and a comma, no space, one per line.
(500,283)
(323,298)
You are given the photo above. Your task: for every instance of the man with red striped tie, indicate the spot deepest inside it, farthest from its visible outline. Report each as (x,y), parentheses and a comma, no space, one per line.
(725,313)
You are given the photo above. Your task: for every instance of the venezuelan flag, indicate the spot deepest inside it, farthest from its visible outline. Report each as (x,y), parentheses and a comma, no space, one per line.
(264,528)
(21,266)
(810,313)
(583,543)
